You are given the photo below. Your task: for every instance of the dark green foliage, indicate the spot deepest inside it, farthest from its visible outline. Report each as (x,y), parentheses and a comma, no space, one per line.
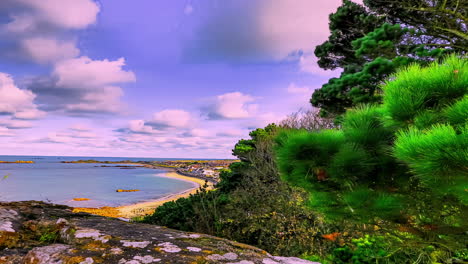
(388,186)
(350,22)
(176,214)
(434,100)
(417,89)
(402,163)
(365,126)
(381,42)
(232,178)
(356,163)
(438,156)
(443,21)
(374,44)
(302,154)
(350,163)
(348,172)
(244,148)
(457,114)
(250,205)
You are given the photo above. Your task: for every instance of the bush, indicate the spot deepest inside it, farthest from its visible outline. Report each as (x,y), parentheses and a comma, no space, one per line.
(399,165)
(364,125)
(416,89)
(302,155)
(438,156)
(457,113)
(388,186)
(250,205)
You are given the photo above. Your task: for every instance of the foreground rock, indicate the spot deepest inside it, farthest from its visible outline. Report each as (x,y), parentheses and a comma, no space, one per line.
(40,233)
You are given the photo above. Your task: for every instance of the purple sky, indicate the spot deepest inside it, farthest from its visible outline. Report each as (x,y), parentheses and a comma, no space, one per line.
(146,78)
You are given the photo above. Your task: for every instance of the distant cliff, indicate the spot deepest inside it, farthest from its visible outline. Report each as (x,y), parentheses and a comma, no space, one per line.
(40,233)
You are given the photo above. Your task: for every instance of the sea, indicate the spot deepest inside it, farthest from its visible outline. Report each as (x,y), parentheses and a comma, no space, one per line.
(50,180)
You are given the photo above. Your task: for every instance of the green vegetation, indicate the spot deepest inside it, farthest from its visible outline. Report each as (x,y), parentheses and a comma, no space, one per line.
(387,186)
(250,205)
(49,235)
(400,165)
(387,181)
(371,42)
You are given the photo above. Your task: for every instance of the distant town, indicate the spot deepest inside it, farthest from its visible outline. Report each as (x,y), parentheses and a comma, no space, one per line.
(208,170)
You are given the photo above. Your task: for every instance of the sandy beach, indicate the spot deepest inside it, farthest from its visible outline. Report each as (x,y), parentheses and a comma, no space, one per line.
(148,207)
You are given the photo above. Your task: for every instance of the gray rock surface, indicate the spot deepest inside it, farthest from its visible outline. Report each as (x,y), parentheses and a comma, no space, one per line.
(39,233)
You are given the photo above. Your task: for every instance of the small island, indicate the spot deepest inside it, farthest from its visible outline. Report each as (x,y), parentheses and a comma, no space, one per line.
(122,190)
(81,199)
(18,161)
(207,170)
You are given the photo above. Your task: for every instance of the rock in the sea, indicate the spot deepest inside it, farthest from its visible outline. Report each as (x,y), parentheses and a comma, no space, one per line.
(40,233)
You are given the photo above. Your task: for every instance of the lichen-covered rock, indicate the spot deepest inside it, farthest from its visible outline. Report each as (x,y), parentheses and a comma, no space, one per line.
(36,232)
(51,254)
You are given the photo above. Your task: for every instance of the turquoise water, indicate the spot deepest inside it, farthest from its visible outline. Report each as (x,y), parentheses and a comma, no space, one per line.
(49,180)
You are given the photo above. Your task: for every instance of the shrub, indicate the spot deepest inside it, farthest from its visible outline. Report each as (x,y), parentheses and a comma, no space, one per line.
(438,156)
(402,164)
(457,114)
(414,89)
(303,155)
(364,125)
(250,205)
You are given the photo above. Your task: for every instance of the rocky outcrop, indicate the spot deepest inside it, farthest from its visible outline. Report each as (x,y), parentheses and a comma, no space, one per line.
(40,233)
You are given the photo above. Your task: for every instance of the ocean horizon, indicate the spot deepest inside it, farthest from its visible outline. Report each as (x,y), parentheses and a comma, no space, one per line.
(50,180)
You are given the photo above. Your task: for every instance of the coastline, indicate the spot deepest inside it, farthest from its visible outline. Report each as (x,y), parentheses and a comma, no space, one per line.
(148,207)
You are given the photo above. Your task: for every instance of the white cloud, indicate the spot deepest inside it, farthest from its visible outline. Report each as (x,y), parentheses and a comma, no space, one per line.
(65,14)
(79,127)
(233,132)
(268,30)
(77,134)
(85,72)
(287,27)
(48,50)
(174,118)
(234,105)
(298,98)
(84,86)
(15,124)
(95,80)
(263,120)
(5,132)
(198,132)
(15,101)
(101,100)
(43,32)
(56,138)
(29,114)
(301,90)
(138,126)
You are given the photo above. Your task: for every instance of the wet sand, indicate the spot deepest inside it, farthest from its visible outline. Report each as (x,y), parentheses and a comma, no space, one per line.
(148,207)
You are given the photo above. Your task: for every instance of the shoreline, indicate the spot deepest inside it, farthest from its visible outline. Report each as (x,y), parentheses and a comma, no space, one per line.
(148,207)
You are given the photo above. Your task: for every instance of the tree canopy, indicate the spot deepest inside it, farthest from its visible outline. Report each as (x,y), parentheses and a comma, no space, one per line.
(371,42)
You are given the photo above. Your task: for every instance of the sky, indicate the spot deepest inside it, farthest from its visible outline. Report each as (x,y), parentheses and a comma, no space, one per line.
(146,78)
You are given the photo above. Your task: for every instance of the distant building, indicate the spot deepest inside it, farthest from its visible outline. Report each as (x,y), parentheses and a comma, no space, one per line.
(209,172)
